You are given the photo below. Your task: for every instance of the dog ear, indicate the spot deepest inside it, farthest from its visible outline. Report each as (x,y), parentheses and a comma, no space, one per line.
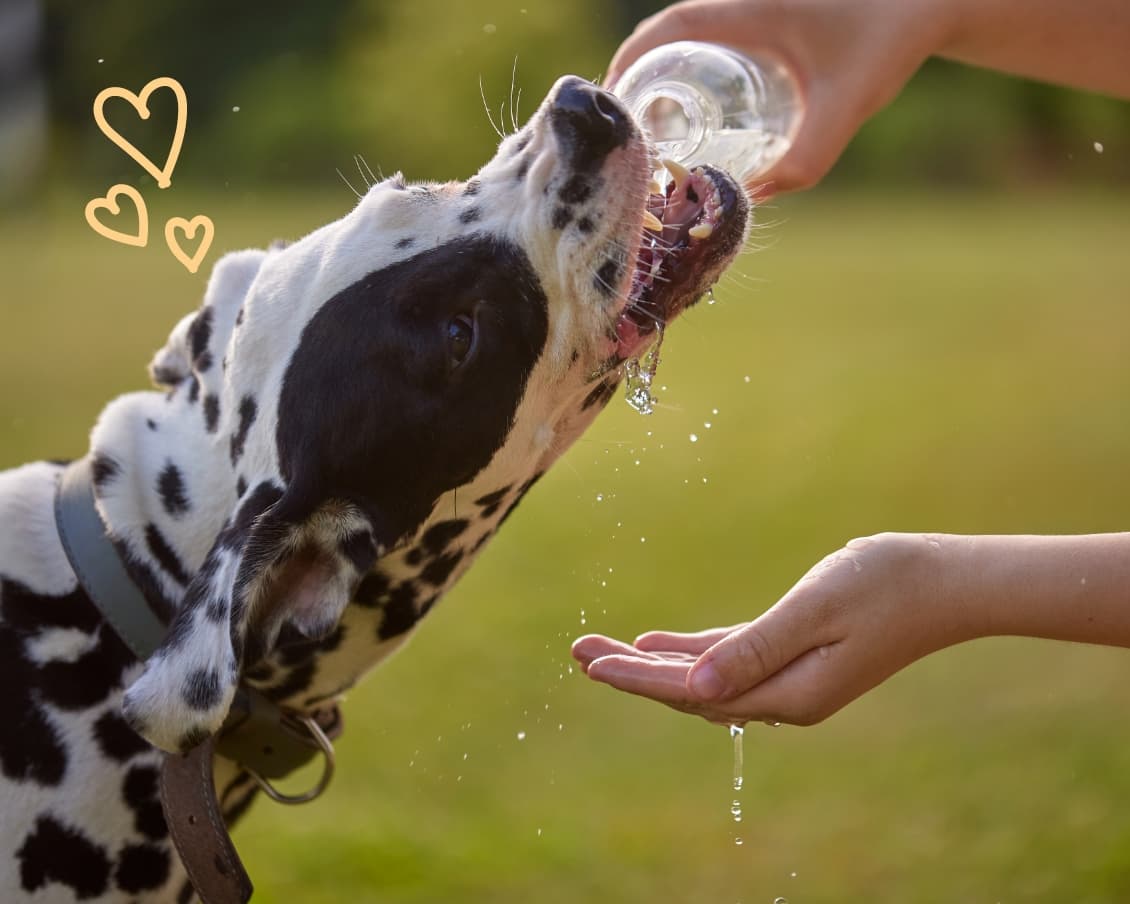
(198,341)
(275,561)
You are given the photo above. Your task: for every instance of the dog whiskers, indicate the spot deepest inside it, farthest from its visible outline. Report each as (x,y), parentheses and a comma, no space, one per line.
(349,184)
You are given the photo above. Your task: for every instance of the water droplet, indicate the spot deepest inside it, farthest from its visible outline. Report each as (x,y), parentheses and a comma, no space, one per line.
(643,539)
(466,755)
(780,901)
(714,411)
(539,830)
(490,29)
(738,840)
(694,437)
(638,377)
(1098,144)
(792,875)
(101,60)
(736,810)
(600,497)
(521,736)
(582,616)
(235,109)
(747,379)
(707,424)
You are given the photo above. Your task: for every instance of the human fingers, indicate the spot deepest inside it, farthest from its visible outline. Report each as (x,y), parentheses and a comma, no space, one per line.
(692,20)
(593,646)
(696,643)
(662,680)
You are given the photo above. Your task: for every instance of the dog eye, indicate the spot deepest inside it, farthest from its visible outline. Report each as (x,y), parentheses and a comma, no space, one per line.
(460,338)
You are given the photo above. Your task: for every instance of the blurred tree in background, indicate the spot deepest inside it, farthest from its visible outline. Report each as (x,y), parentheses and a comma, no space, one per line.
(316,83)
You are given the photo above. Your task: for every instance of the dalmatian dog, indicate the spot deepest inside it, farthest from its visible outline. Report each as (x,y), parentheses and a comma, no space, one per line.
(345,422)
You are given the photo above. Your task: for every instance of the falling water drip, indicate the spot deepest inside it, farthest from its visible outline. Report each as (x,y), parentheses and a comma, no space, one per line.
(639,376)
(736,733)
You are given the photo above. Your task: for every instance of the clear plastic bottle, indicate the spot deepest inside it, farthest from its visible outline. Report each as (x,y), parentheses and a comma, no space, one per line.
(704,103)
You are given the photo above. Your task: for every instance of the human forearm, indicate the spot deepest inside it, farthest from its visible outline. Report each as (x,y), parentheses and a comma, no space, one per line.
(1062,587)
(1082,43)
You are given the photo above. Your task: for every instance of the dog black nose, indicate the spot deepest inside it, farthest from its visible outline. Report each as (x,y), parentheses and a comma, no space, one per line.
(588,121)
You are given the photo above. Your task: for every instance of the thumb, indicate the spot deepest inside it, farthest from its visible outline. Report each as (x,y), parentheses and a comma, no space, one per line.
(746,657)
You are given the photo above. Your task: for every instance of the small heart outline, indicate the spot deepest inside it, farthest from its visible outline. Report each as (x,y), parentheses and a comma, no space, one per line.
(108,202)
(189,227)
(140,103)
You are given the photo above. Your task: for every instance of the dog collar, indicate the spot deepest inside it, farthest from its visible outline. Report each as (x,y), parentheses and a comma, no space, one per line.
(264,739)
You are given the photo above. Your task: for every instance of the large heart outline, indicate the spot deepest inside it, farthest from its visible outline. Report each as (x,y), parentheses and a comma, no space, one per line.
(107,202)
(189,228)
(140,103)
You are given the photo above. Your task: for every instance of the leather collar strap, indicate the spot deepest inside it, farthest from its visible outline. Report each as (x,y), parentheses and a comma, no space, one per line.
(258,734)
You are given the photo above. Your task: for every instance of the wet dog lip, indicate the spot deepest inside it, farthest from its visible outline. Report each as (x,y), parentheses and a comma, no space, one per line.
(700,217)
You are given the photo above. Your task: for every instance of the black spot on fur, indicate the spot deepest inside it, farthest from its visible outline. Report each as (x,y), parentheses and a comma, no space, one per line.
(562,217)
(376,358)
(54,852)
(240,487)
(399,612)
(199,332)
(472,188)
(30,748)
(217,610)
(406,242)
(439,535)
(211,412)
(170,487)
(439,569)
(247,411)
(585,225)
(204,362)
(360,549)
(116,739)
(523,170)
(294,683)
(201,689)
(600,395)
(414,556)
(577,190)
(150,423)
(103,469)
(522,143)
(607,278)
(193,390)
(140,789)
(142,867)
(160,549)
(470,215)
(372,588)
(198,734)
(89,679)
(493,498)
(239,318)
(145,579)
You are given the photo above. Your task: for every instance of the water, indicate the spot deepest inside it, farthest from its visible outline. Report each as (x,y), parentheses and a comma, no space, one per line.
(639,376)
(736,734)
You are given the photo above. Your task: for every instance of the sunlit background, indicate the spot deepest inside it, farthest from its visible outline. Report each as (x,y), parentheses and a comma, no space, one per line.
(936,338)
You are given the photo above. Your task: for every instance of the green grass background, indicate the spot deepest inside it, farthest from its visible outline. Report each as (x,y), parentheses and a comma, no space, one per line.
(914,362)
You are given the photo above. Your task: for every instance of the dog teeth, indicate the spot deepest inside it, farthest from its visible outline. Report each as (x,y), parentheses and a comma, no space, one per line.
(654,187)
(678,172)
(652,222)
(701,231)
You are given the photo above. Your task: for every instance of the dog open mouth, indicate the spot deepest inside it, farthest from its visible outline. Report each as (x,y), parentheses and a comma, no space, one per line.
(692,227)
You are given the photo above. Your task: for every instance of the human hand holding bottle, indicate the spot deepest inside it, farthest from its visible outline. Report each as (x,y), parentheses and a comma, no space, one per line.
(852,57)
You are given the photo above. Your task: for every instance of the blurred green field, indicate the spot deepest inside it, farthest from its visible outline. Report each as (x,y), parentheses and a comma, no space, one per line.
(917,362)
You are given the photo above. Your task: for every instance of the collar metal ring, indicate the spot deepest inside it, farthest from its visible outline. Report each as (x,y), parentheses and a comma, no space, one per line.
(327,748)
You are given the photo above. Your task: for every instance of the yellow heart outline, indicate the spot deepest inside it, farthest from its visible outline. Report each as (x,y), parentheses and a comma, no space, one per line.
(107,202)
(140,103)
(189,227)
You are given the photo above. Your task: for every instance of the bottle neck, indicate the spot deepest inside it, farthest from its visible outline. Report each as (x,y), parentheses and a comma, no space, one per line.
(678,118)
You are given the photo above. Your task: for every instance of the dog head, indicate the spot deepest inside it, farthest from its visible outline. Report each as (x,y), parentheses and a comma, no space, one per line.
(437,343)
